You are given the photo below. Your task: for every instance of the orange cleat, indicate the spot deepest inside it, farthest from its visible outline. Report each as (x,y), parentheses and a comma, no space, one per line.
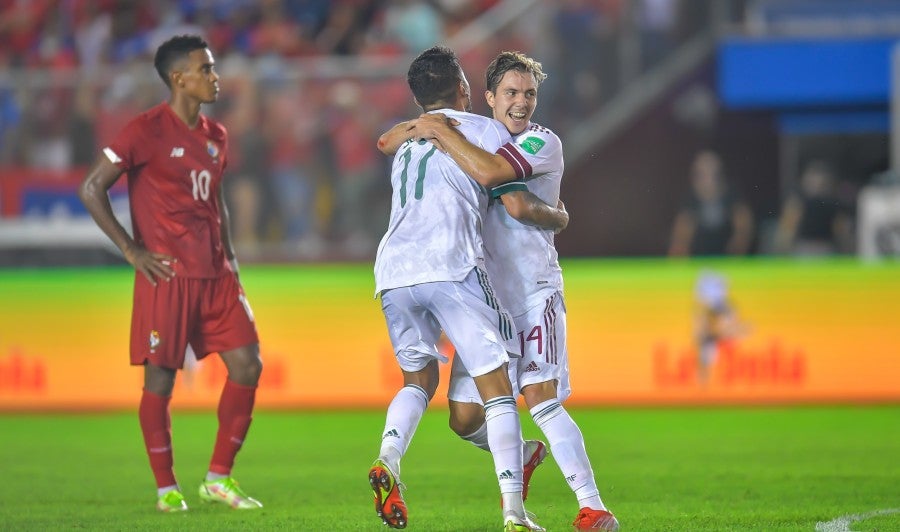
(389,503)
(534,451)
(590,519)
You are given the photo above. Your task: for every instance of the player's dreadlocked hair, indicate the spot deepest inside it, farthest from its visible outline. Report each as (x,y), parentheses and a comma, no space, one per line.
(176,48)
(434,77)
(507,61)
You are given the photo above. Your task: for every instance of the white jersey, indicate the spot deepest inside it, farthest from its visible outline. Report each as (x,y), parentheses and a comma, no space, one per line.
(437,211)
(521,259)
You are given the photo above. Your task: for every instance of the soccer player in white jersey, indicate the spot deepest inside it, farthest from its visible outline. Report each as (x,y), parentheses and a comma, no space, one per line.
(522,263)
(429,273)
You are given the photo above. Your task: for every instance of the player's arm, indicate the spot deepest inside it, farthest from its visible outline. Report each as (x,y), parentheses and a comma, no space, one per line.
(489,169)
(94,193)
(529,209)
(225,230)
(391,140)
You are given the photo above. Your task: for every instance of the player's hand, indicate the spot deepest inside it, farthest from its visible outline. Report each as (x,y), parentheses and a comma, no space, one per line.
(440,118)
(153,266)
(428,124)
(562,206)
(438,145)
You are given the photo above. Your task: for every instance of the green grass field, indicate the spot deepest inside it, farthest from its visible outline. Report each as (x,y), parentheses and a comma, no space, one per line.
(658,469)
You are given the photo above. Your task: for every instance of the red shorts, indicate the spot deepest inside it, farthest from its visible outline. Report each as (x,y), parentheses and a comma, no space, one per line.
(212,315)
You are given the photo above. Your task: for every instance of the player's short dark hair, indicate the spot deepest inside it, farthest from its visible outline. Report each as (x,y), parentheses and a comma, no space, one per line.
(506,61)
(174,49)
(434,76)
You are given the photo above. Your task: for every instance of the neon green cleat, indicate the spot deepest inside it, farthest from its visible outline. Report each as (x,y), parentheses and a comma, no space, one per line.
(226,491)
(520,524)
(172,501)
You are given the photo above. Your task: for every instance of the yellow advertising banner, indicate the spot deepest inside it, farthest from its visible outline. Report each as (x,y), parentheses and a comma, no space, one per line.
(805,332)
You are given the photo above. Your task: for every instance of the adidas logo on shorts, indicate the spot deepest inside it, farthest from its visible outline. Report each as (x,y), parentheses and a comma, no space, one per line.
(532,366)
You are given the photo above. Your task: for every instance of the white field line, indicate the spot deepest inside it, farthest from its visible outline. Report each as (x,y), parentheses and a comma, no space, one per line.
(842,524)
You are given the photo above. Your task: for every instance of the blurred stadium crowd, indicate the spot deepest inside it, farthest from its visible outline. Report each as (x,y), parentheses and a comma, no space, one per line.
(307,87)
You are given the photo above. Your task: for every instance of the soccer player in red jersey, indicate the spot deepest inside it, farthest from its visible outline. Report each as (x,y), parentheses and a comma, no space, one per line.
(186,287)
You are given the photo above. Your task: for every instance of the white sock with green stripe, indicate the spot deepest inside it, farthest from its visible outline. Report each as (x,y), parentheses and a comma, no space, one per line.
(505,438)
(567,445)
(479,438)
(403,416)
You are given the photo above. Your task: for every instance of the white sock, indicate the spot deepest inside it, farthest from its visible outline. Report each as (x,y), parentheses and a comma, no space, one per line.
(479,438)
(166,489)
(504,434)
(214,476)
(567,446)
(403,417)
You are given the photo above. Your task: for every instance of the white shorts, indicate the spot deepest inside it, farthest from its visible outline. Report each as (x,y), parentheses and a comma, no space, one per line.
(541,333)
(467,311)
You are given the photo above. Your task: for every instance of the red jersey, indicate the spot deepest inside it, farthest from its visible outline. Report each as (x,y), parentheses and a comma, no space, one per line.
(174,174)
